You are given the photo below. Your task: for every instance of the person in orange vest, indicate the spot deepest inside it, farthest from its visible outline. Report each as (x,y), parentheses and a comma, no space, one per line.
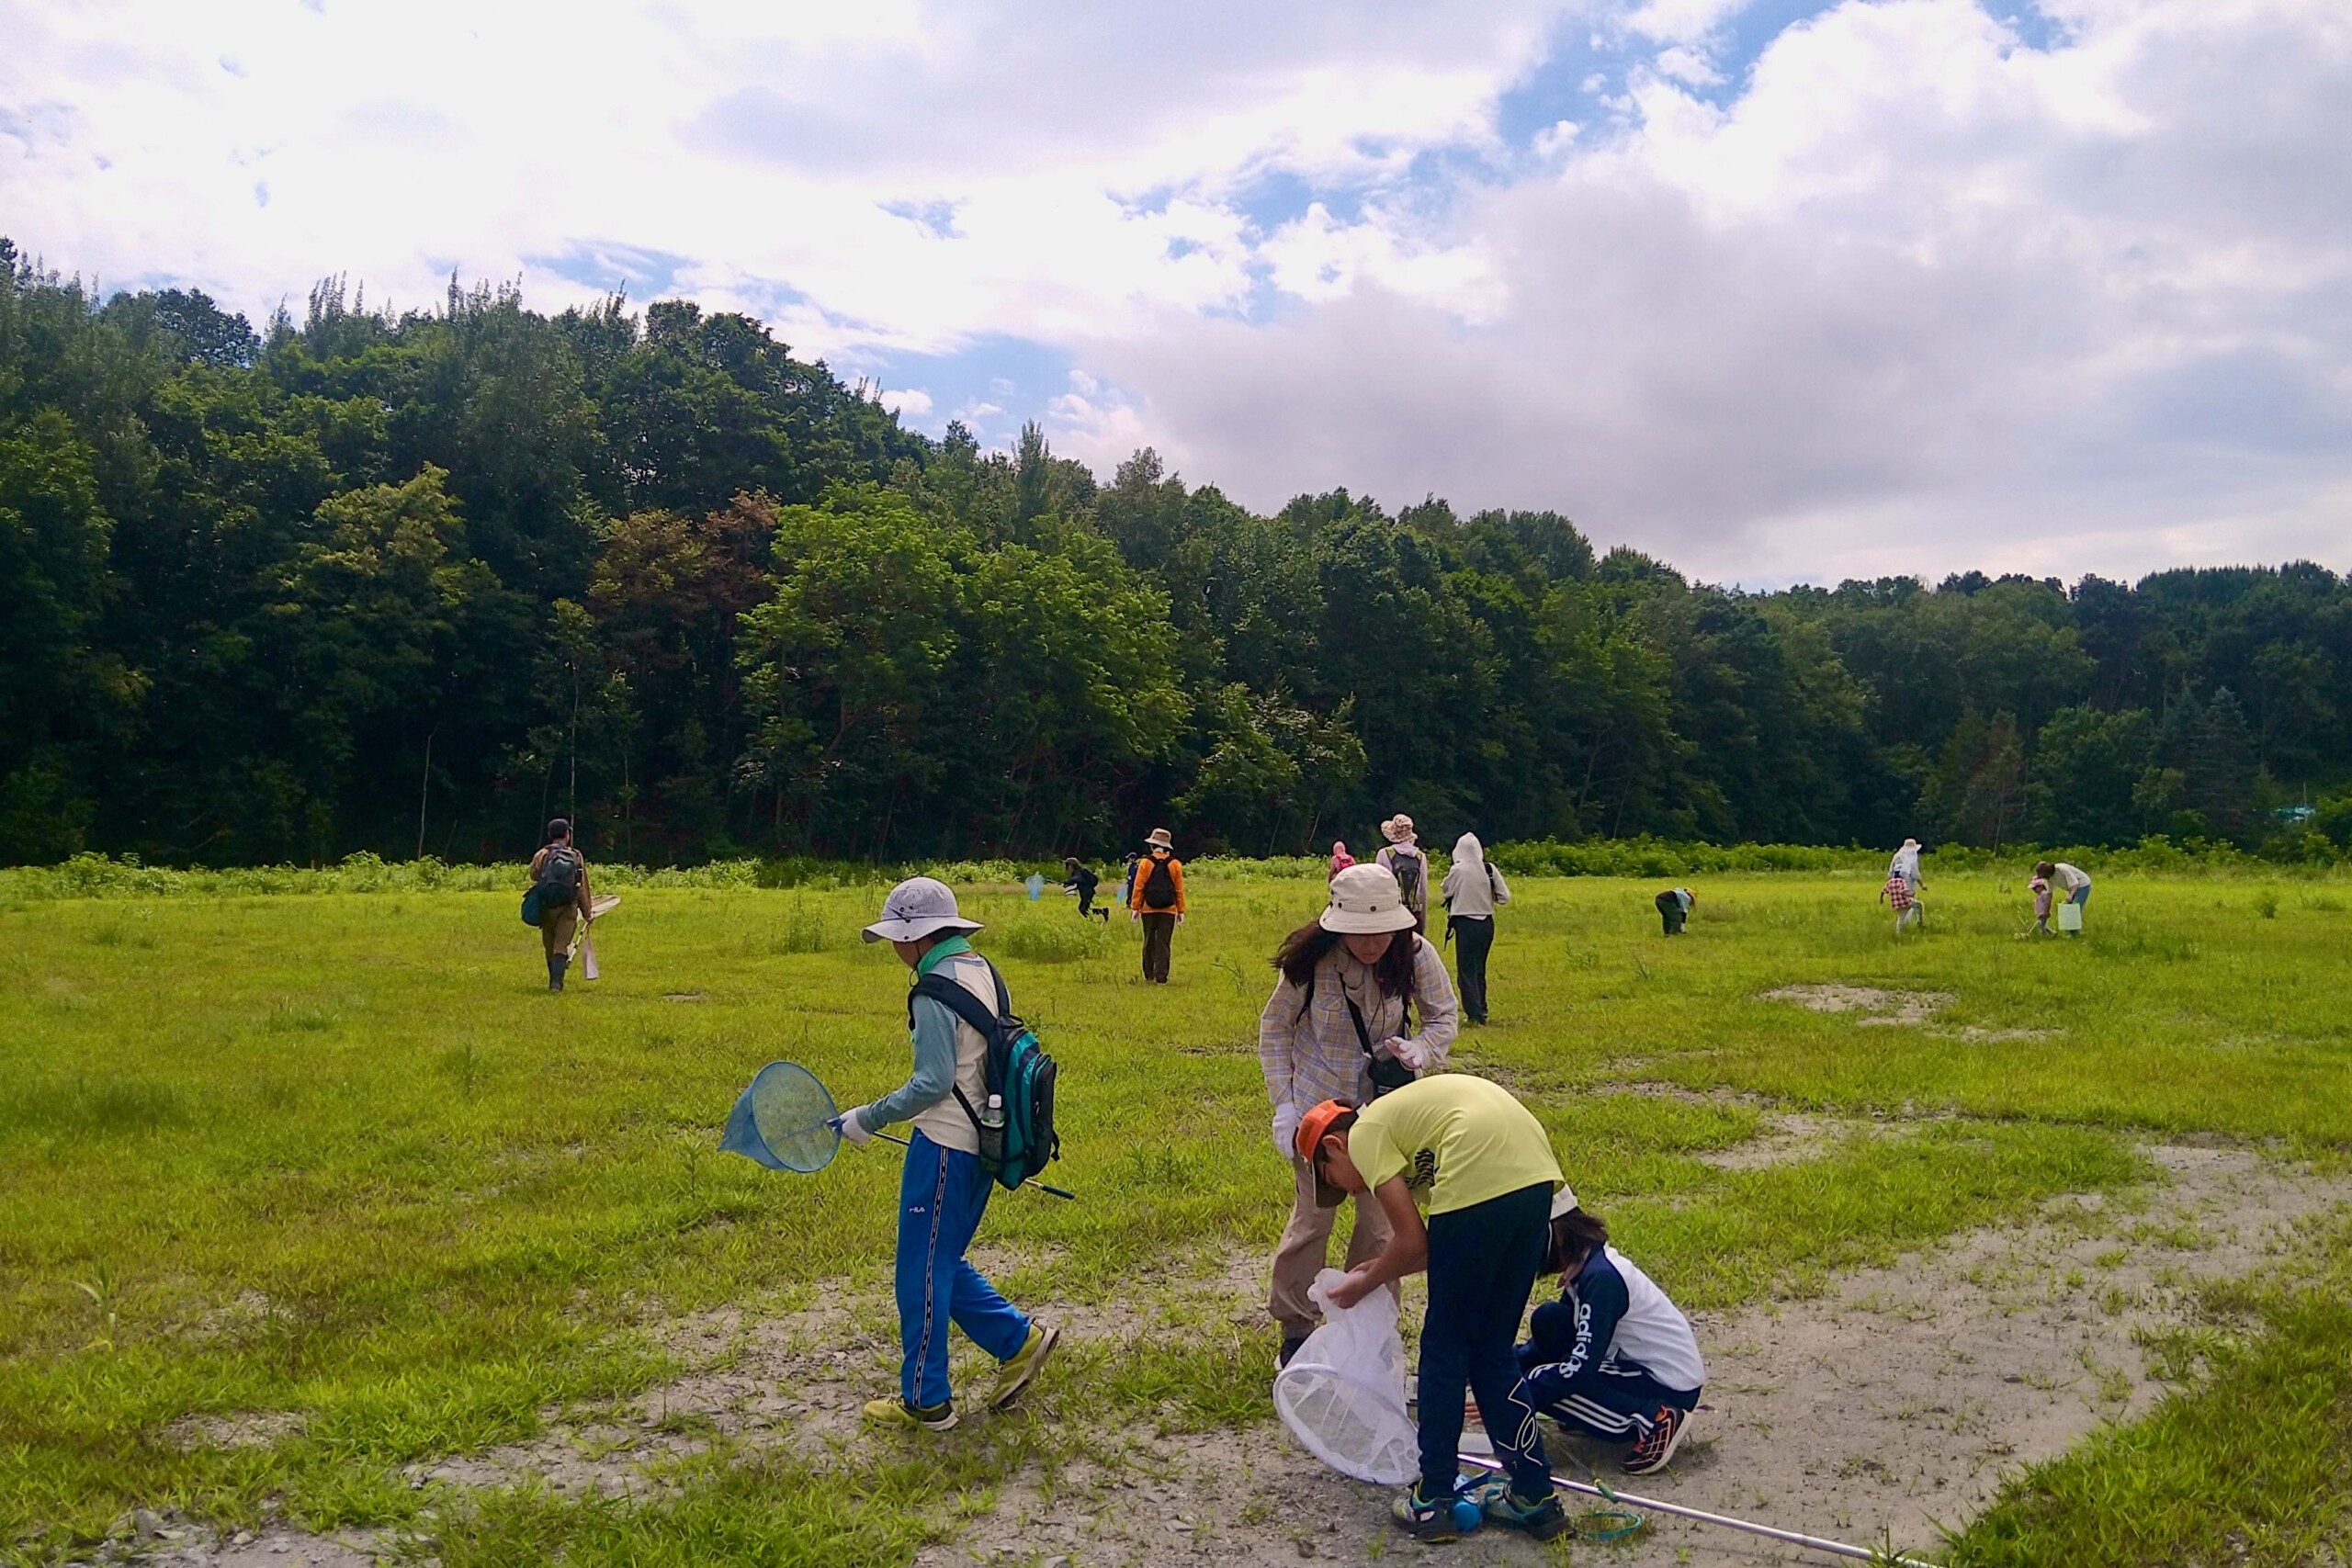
(1158,901)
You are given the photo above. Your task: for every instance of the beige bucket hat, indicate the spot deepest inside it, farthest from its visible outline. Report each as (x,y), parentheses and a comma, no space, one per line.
(1365,899)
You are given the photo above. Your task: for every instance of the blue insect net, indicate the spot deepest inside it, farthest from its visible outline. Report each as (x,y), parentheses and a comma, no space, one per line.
(784,1121)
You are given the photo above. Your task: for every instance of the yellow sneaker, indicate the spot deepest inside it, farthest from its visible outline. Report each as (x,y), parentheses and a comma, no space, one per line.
(898,1413)
(1017,1374)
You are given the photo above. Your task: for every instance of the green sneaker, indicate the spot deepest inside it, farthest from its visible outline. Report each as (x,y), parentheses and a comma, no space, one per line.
(1016,1374)
(936,1417)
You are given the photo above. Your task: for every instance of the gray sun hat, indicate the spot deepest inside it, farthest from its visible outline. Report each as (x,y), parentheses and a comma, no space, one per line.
(917,908)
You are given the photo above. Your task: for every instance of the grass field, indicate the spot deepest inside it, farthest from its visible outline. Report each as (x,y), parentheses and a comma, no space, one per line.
(341,1163)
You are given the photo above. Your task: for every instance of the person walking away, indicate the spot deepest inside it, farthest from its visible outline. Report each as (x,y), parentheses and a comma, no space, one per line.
(1483,1164)
(1906,864)
(1340,1026)
(1127,877)
(943,1190)
(1078,878)
(1158,902)
(1674,909)
(1614,1357)
(1473,888)
(2072,881)
(1340,858)
(1899,897)
(2040,889)
(559,878)
(1409,865)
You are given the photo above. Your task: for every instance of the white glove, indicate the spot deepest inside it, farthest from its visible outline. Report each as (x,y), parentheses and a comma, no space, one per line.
(1286,1131)
(1409,1053)
(852,1125)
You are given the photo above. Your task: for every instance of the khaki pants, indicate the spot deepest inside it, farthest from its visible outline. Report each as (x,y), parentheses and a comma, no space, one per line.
(556,927)
(1306,1245)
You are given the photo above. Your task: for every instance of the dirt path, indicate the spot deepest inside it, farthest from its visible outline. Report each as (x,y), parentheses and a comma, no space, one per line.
(1902,1399)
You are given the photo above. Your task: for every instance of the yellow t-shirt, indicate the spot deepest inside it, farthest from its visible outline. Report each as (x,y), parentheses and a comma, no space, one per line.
(1457,1139)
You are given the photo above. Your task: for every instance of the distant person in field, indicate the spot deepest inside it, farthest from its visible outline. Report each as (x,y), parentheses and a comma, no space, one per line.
(1078,878)
(1612,1357)
(1674,908)
(943,1190)
(1340,858)
(1906,864)
(1340,1026)
(1903,897)
(1158,902)
(2040,889)
(2072,881)
(1409,865)
(1127,877)
(559,882)
(1472,888)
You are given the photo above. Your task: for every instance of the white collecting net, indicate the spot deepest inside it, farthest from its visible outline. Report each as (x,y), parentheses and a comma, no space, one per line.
(1343,1395)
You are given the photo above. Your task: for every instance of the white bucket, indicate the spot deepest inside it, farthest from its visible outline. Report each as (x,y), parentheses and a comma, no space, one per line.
(2070,916)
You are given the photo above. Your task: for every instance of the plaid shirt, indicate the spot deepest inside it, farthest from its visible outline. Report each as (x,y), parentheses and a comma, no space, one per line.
(1897,893)
(1310,1054)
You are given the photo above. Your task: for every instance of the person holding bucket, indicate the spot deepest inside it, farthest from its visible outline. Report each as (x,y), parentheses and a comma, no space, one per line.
(1340,1026)
(2073,883)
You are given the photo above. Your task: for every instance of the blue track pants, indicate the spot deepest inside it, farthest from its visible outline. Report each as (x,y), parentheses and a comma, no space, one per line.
(941,1196)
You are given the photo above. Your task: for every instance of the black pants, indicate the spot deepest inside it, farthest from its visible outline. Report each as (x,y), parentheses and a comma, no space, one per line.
(1474,937)
(1482,1262)
(1158,936)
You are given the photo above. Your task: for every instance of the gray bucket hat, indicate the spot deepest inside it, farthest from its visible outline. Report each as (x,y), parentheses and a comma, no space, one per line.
(915,909)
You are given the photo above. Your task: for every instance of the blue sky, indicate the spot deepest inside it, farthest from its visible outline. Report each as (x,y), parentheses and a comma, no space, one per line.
(1777,288)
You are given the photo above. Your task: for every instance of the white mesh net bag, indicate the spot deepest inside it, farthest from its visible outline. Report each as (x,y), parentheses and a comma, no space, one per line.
(1343,1395)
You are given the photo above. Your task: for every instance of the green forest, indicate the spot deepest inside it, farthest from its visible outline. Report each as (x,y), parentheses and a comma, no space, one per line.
(412,583)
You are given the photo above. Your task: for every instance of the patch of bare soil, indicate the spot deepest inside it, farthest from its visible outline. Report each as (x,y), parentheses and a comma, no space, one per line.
(245,1430)
(1788,1137)
(1881,1006)
(1903,1399)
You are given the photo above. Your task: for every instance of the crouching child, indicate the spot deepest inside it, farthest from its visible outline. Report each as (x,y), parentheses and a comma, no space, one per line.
(944,1190)
(1612,1357)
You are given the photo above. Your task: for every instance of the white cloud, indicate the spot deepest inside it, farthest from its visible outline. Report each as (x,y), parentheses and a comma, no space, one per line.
(909,405)
(1905,294)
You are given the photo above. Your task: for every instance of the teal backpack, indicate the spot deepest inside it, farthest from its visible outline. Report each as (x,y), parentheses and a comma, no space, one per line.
(1018,1073)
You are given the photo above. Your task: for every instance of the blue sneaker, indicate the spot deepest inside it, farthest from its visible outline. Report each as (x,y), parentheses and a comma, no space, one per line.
(1498,1505)
(1434,1522)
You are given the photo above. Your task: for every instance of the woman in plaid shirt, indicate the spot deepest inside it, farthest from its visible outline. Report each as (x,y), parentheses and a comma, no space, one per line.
(1352,981)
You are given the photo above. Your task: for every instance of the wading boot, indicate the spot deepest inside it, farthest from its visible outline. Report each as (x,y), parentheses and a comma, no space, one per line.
(557,964)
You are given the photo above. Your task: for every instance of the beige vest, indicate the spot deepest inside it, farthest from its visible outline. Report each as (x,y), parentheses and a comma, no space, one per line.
(945,1124)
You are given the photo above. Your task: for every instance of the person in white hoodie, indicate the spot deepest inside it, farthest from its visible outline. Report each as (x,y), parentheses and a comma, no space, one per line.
(1472,888)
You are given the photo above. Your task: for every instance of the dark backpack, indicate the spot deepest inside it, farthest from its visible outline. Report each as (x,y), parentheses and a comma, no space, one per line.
(1409,869)
(1159,885)
(1017,1071)
(559,875)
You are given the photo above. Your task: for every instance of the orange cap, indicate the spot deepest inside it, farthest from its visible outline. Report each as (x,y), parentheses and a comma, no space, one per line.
(1312,1128)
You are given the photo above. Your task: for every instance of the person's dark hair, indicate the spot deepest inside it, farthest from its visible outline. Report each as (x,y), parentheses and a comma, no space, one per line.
(1341,1127)
(559,828)
(2047,868)
(1303,949)
(1573,1235)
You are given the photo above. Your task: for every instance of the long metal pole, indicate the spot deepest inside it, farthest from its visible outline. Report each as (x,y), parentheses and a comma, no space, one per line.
(1032,1181)
(1811,1543)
